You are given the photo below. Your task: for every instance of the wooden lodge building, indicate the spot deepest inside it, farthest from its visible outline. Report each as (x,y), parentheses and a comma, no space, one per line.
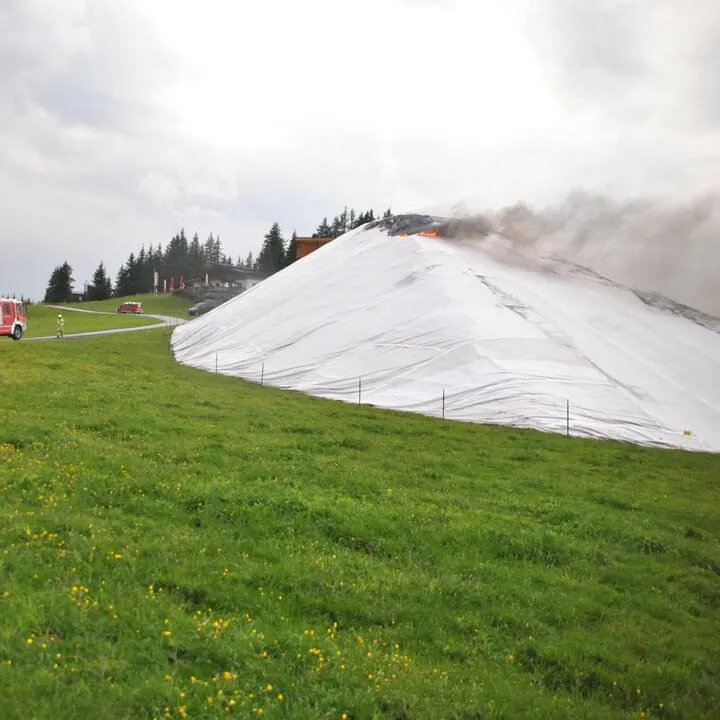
(306,245)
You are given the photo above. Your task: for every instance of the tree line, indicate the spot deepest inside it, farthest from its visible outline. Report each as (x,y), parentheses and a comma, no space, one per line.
(277,254)
(192,259)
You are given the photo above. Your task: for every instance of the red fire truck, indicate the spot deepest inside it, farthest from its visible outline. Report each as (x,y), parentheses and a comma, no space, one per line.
(131,307)
(13,319)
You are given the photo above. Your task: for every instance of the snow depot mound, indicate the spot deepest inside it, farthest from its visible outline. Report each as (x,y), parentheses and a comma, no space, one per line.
(403,315)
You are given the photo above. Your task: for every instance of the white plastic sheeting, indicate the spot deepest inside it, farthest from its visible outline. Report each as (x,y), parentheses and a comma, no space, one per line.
(402,320)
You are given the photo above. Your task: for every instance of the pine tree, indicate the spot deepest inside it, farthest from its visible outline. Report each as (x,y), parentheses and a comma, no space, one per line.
(250,262)
(59,287)
(272,255)
(196,260)
(323,229)
(142,277)
(176,258)
(121,282)
(364,217)
(135,268)
(209,250)
(101,287)
(340,224)
(291,252)
(126,282)
(107,288)
(336,227)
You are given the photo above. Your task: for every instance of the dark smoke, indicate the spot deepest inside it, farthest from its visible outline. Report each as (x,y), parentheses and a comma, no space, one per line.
(645,244)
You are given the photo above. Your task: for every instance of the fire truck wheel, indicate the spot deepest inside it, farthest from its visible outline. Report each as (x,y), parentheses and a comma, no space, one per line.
(17,333)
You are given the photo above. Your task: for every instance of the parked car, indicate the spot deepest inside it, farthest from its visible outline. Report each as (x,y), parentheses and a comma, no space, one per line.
(131,307)
(13,318)
(202,307)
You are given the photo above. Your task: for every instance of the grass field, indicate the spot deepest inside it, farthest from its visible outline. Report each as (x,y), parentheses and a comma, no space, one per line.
(42,321)
(173,305)
(179,544)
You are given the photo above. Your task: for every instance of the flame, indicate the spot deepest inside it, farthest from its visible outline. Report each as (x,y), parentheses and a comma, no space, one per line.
(430,233)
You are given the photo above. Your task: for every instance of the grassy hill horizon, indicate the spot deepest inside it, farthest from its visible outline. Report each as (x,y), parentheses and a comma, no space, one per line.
(178,544)
(159,304)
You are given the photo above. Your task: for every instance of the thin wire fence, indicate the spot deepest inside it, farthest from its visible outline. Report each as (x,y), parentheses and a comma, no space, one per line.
(559,419)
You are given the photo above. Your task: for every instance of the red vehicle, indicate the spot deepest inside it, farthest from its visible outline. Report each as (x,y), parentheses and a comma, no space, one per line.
(131,307)
(13,319)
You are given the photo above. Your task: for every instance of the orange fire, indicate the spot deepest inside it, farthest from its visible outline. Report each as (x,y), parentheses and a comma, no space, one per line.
(430,233)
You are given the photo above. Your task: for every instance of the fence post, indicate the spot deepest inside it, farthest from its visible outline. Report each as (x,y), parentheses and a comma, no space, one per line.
(216,363)
(262,373)
(443,412)
(567,417)
(359,391)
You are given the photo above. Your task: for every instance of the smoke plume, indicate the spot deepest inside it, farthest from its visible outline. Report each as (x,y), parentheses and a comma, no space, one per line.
(646,244)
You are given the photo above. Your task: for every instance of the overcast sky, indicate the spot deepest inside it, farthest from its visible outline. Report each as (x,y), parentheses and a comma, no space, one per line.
(122,121)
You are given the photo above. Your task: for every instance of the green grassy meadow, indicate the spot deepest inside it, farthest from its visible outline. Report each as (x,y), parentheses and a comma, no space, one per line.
(177,544)
(173,305)
(42,321)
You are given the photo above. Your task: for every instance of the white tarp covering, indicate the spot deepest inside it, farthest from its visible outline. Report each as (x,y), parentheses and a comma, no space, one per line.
(402,320)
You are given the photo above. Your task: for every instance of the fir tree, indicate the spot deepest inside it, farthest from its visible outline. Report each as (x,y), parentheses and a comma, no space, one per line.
(101,287)
(177,256)
(128,281)
(272,255)
(363,218)
(340,224)
(59,287)
(208,250)
(121,282)
(291,252)
(323,230)
(196,259)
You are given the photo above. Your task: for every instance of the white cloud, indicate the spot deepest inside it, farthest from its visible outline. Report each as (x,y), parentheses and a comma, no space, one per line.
(122,122)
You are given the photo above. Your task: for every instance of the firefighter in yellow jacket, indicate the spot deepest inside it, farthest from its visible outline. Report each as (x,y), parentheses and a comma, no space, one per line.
(60,327)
